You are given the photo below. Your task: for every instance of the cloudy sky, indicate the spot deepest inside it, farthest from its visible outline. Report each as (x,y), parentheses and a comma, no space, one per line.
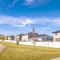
(20,16)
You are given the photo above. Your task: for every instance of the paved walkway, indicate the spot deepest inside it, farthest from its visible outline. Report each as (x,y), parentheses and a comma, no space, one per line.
(2,47)
(58,58)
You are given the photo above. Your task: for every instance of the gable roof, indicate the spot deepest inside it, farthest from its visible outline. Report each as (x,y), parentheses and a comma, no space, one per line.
(43,35)
(57,31)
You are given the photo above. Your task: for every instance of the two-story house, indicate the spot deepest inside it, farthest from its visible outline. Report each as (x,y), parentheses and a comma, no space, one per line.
(56,36)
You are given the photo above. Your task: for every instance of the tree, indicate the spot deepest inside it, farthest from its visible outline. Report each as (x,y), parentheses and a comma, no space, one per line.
(34,41)
(17,42)
(34,35)
(2,37)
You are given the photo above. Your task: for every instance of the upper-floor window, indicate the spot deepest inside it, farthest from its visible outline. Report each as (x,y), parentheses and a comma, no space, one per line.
(56,33)
(57,39)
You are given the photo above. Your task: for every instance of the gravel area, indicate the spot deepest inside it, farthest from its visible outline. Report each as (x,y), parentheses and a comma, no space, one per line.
(58,58)
(2,47)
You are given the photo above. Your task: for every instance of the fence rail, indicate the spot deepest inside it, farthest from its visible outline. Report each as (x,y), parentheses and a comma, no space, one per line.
(45,44)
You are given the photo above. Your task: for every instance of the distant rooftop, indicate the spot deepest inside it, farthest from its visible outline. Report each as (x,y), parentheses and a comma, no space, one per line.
(57,31)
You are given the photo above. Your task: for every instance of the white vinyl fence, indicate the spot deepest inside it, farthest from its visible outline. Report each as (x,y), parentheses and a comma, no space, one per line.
(45,44)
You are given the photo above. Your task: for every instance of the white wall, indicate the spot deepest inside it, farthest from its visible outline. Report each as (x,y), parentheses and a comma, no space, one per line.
(25,37)
(56,35)
(45,44)
(17,37)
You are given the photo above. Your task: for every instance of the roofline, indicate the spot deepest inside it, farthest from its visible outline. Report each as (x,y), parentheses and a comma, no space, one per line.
(56,31)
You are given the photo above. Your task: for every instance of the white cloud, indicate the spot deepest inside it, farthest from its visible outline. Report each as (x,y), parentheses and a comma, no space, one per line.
(46,24)
(46,21)
(36,2)
(15,21)
(44,30)
(24,21)
(56,22)
(12,4)
(27,21)
(28,2)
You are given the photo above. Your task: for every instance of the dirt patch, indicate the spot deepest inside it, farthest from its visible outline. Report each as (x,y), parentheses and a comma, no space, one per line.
(2,47)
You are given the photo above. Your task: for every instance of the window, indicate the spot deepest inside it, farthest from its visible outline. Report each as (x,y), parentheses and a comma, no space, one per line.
(57,39)
(56,33)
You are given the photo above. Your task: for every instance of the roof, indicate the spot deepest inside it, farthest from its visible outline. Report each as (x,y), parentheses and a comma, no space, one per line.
(19,34)
(42,35)
(57,31)
(1,35)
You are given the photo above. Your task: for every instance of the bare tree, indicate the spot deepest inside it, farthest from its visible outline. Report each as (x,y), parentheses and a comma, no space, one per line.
(34,41)
(17,41)
(34,37)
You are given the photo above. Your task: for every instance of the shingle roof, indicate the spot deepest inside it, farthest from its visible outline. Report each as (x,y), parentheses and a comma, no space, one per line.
(57,31)
(43,35)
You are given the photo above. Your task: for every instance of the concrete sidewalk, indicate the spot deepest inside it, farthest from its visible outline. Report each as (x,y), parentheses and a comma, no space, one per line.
(58,58)
(2,47)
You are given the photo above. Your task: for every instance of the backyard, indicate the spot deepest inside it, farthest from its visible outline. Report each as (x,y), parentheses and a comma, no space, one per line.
(26,52)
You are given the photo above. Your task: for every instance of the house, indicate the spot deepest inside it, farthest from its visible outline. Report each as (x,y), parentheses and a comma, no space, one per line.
(44,38)
(28,36)
(33,39)
(2,37)
(25,37)
(18,37)
(56,36)
(6,37)
(10,37)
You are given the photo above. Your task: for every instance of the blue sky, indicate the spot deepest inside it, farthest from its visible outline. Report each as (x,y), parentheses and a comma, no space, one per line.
(20,16)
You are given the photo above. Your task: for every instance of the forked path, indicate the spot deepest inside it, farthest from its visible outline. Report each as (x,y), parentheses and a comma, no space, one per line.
(2,47)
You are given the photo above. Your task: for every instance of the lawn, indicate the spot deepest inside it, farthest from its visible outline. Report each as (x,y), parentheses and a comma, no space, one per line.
(24,52)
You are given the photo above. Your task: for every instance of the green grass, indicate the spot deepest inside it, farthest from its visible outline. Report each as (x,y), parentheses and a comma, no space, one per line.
(24,52)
